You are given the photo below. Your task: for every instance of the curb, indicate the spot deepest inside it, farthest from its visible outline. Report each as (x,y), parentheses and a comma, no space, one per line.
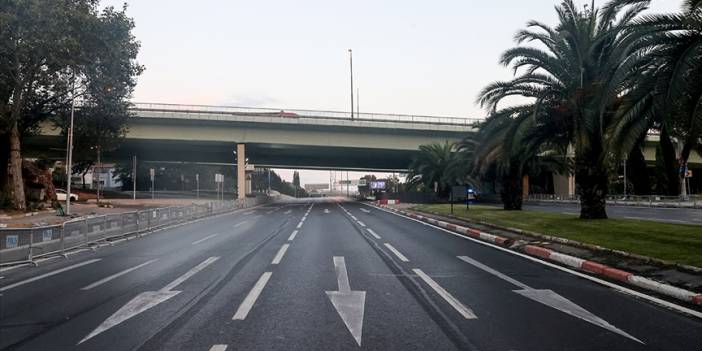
(570,261)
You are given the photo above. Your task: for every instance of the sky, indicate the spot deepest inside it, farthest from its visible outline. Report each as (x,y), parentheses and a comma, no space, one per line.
(409,57)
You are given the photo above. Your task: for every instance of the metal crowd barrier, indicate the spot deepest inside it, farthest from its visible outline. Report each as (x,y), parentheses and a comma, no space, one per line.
(19,245)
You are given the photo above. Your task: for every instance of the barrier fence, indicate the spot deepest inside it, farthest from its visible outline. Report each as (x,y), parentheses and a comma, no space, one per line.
(19,245)
(690,201)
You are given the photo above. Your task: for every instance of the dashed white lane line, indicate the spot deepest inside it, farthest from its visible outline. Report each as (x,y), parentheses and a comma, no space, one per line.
(299,225)
(205,238)
(49,274)
(189,273)
(373,233)
(251,298)
(293,235)
(240,223)
(218,347)
(361,223)
(364,210)
(397,253)
(287,212)
(117,275)
(280,254)
(466,312)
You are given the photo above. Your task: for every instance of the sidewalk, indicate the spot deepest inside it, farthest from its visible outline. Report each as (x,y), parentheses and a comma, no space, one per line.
(662,278)
(89,208)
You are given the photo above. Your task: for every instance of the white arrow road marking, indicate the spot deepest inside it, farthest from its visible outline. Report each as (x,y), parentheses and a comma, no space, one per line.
(46,275)
(147,300)
(466,312)
(251,298)
(220,347)
(117,275)
(205,238)
(364,210)
(551,299)
(349,304)
(280,254)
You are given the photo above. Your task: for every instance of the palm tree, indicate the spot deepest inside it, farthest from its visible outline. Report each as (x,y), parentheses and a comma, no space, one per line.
(576,72)
(512,147)
(665,87)
(444,164)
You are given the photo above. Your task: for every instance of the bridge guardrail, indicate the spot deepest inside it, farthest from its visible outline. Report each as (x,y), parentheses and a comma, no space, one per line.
(297,113)
(690,201)
(18,245)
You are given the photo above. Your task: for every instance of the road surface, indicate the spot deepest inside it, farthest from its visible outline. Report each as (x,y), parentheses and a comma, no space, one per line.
(321,276)
(658,214)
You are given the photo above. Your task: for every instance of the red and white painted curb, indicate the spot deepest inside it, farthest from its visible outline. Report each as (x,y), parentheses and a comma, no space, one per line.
(388,202)
(570,261)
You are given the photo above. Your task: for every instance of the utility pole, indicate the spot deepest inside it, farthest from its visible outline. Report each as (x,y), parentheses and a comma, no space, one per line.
(625,177)
(70,148)
(134,177)
(99,169)
(358,103)
(348,183)
(197,185)
(351,66)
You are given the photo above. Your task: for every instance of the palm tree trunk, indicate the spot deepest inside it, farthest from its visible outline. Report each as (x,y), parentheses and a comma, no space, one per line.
(512,192)
(591,182)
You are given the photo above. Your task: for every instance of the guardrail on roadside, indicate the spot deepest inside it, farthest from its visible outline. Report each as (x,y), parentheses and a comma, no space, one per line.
(18,245)
(690,201)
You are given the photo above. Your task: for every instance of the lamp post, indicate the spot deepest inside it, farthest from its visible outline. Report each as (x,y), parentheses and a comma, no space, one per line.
(69,149)
(351,67)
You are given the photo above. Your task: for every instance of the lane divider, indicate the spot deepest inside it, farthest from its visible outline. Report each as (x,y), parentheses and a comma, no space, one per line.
(591,267)
(397,253)
(279,256)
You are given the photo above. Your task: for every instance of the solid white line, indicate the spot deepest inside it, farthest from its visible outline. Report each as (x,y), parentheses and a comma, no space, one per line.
(373,233)
(292,236)
(466,312)
(299,225)
(117,275)
(280,254)
(189,274)
(203,239)
(219,347)
(619,288)
(46,275)
(251,298)
(354,218)
(397,253)
(361,223)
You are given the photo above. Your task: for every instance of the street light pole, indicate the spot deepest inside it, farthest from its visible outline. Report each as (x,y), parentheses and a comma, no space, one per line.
(351,66)
(70,148)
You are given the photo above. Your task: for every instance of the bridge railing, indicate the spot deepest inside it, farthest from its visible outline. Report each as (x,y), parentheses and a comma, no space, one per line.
(24,245)
(297,113)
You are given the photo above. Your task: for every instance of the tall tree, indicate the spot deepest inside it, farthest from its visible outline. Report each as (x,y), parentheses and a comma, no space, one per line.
(578,70)
(440,164)
(665,88)
(52,52)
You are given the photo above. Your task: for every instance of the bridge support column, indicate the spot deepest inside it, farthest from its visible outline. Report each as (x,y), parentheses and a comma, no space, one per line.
(241,171)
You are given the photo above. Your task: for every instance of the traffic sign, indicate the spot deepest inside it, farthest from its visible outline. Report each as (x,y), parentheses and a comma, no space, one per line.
(152,173)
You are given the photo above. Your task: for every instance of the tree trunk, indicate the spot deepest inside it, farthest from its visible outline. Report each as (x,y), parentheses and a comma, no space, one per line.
(4,158)
(512,192)
(16,182)
(638,174)
(591,184)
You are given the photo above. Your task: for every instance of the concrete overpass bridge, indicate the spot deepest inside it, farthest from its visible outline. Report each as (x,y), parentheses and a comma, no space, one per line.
(270,137)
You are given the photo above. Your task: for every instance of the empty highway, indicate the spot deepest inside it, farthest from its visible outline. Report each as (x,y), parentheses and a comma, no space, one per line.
(321,275)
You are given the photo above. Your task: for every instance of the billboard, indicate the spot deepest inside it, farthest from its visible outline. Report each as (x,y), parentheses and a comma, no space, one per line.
(377,185)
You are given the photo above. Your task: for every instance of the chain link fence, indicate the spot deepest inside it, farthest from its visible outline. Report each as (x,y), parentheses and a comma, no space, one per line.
(19,245)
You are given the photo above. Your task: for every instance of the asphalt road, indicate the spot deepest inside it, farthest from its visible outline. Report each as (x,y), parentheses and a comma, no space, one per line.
(658,214)
(322,276)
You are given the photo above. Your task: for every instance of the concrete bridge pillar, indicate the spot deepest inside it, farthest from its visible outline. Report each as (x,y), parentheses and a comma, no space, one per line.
(241,171)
